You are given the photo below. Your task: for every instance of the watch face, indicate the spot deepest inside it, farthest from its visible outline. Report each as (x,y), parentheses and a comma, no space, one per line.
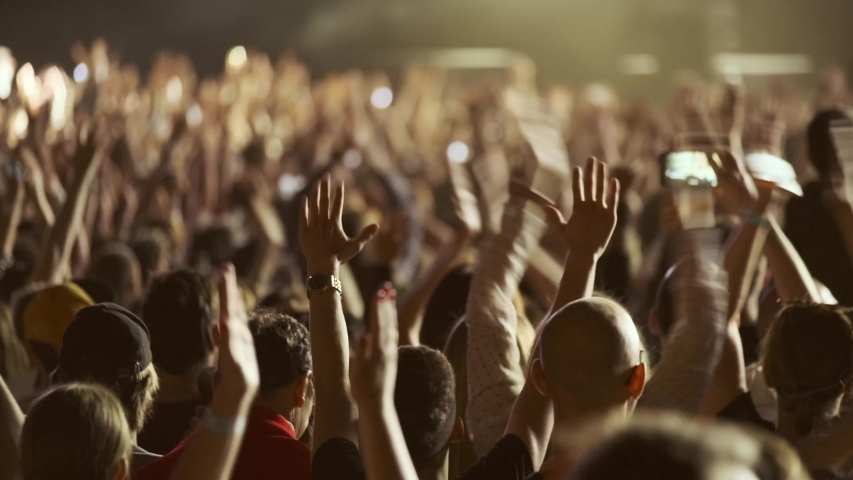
(318,282)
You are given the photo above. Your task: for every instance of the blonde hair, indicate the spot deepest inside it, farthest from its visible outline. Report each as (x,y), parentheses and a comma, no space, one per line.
(75,432)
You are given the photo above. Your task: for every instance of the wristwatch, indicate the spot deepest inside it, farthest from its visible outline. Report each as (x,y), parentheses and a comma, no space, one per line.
(323,283)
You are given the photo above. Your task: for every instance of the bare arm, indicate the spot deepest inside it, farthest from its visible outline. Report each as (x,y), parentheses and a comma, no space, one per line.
(374,373)
(9,227)
(11,423)
(211,453)
(790,274)
(325,246)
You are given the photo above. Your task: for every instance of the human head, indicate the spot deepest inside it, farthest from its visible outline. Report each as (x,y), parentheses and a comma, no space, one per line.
(178,312)
(664,446)
(108,345)
(46,318)
(283,349)
(821,147)
(807,358)
(152,251)
(425,396)
(116,265)
(445,306)
(77,432)
(211,247)
(589,360)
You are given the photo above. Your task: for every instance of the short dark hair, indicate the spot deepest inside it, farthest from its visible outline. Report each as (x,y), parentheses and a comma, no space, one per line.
(283,349)
(116,265)
(821,147)
(425,397)
(446,305)
(213,245)
(179,315)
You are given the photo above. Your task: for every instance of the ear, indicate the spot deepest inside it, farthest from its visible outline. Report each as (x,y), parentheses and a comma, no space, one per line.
(458,433)
(539,378)
(654,323)
(637,383)
(121,470)
(300,393)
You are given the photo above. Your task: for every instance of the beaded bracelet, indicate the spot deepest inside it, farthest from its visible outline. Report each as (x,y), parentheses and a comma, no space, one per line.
(222,425)
(756,219)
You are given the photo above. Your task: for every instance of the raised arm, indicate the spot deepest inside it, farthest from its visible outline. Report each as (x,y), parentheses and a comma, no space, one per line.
(15,204)
(692,353)
(57,251)
(11,423)
(588,230)
(326,246)
(414,303)
(212,451)
(374,374)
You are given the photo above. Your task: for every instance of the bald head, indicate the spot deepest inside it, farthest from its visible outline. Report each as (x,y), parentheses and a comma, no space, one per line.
(589,346)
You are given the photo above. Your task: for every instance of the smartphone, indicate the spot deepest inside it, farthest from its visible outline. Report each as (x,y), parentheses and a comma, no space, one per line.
(689,169)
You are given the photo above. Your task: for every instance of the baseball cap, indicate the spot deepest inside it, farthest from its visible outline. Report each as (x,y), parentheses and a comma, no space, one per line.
(51,311)
(106,341)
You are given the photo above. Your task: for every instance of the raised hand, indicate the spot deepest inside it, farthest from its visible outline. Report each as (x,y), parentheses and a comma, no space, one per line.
(238,365)
(736,189)
(321,236)
(373,370)
(465,205)
(593,219)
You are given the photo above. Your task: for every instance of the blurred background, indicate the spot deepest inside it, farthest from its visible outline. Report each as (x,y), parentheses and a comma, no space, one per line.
(639,46)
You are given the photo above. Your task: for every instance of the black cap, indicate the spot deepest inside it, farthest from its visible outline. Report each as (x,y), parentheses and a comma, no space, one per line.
(105,341)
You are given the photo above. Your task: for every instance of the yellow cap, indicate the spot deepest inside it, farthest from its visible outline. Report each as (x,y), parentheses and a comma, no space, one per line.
(51,311)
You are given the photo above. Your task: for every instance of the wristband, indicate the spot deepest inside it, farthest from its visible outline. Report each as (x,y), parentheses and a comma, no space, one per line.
(756,219)
(222,425)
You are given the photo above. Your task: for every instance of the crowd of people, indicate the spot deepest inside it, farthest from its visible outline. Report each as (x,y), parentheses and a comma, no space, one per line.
(269,275)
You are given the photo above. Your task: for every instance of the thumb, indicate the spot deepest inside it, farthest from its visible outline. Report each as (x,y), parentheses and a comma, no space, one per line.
(366,235)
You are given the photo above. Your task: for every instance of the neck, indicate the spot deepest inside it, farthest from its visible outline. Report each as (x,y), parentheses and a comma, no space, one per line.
(439,472)
(178,388)
(571,418)
(277,404)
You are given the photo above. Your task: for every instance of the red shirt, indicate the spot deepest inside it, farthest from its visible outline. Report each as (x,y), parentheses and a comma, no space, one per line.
(270,450)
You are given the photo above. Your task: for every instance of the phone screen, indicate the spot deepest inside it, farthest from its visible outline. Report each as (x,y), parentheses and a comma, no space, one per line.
(689,169)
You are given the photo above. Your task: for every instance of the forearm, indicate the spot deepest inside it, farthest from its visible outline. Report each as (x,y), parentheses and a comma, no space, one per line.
(682,378)
(335,413)
(790,274)
(11,422)
(414,303)
(532,420)
(9,228)
(210,454)
(386,456)
(578,280)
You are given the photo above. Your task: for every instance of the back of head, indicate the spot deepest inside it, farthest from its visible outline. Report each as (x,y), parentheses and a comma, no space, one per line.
(283,349)
(589,348)
(46,318)
(108,345)
(178,312)
(820,144)
(807,357)
(445,306)
(211,247)
(116,265)
(667,446)
(75,432)
(425,397)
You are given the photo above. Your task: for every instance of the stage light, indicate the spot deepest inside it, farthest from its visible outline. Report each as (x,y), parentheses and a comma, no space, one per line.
(236,59)
(381,98)
(81,73)
(458,152)
(352,159)
(194,115)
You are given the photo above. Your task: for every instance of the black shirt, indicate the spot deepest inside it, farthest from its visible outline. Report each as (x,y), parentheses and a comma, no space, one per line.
(742,410)
(339,459)
(169,425)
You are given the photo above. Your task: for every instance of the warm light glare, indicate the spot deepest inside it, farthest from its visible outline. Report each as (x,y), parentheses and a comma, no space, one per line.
(381,98)
(289,185)
(29,87)
(194,115)
(174,89)
(18,123)
(81,73)
(7,72)
(457,152)
(236,58)
(55,82)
